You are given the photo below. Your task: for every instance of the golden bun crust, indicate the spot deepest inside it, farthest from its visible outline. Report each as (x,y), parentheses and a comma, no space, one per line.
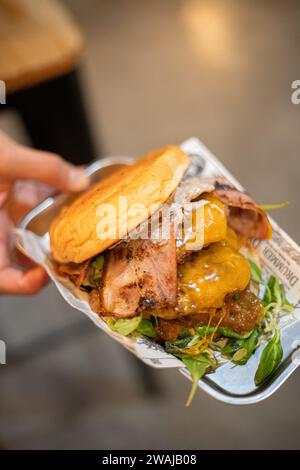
(74,234)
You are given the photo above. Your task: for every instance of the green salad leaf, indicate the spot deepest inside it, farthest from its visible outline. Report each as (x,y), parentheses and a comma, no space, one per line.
(256,273)
(271,207)
(272,293)
(203,330)
(270,358)
(286,305)
(227,332)
(275,295)
(146,328)
(177,347)
(242,355)
(184,332)
(231,347)
(124,326)
(197,366)
(240,350)
(94,272)
(127,326)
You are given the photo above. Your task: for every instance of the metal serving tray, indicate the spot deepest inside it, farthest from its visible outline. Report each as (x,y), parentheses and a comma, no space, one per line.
(229,383)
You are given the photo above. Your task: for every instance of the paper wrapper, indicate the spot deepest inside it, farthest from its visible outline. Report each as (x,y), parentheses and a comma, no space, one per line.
(281,256)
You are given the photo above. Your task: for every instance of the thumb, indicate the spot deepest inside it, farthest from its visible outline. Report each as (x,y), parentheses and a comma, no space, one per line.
(19,162)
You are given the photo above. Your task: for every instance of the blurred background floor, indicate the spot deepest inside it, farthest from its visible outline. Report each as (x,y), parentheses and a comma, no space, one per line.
(156,73)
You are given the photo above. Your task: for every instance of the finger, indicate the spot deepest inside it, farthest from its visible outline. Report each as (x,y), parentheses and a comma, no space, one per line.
(19,162)
(19,259)
(6,240)
(30,193)
(13,281)
(5,188)
(3,198)
(23,196)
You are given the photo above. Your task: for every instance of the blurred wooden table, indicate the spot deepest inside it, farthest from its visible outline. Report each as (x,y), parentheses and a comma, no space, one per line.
(38,41)
(40,48)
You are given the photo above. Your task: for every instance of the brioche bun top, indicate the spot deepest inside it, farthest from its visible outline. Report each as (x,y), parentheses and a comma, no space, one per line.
(75,235)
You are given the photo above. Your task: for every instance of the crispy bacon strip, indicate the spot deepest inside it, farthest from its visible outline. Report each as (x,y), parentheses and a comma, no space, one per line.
(70,269)
(139,274)
(76,271)
(82,273)
(245,216)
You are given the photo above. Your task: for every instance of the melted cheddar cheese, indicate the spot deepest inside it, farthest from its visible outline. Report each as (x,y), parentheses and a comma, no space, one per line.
(208,276)
(209,224)
(215,222)
(232,239)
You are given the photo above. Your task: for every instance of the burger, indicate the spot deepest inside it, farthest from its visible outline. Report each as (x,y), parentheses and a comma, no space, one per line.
(193,283)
